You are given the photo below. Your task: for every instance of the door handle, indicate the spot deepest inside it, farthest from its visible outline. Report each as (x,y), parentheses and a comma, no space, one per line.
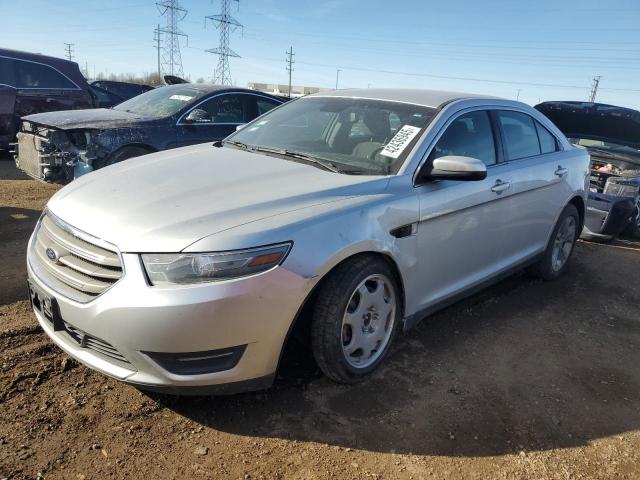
(500,186)
(560,171)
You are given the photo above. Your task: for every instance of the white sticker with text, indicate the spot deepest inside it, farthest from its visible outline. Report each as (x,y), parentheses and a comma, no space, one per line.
(400,141)
(183,98)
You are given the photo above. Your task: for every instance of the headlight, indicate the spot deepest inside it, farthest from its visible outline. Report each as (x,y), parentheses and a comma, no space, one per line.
(189,268)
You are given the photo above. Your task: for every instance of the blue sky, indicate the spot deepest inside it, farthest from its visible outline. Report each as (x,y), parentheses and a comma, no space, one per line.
(547,49)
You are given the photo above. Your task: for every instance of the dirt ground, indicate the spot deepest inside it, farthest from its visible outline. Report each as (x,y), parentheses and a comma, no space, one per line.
(526,380)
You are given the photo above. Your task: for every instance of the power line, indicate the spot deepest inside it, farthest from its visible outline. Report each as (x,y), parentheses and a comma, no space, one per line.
(594,88)
(69,50)
(226,24)
(290,63)
(171,57)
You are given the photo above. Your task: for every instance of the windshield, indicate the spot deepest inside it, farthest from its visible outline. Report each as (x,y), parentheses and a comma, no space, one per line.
(354,135)
(161,102)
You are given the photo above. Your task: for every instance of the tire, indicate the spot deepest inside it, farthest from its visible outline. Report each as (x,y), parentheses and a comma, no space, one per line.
(361,295)
(119,155)
(549,266)
(633,229)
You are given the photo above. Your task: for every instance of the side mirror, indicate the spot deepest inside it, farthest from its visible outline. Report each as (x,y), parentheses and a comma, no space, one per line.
(241,126)
(454,167)
(197,115)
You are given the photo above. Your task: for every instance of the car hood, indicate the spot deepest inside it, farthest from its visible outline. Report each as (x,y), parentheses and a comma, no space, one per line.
(595,121)
(165,201)
(98,118)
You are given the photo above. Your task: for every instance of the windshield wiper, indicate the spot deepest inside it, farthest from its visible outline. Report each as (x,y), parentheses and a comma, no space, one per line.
(235,143)
(327,165)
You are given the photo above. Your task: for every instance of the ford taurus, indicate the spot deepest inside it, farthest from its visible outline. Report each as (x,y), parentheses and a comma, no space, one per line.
(353,214)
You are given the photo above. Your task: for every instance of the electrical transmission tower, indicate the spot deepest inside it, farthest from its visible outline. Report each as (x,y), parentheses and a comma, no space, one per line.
(69,50)
(594,88)
(157,46)
(171,58)
(226,24)
(290,63)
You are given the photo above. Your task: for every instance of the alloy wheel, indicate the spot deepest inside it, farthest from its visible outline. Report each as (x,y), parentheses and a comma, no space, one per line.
(368,321)
(563,243)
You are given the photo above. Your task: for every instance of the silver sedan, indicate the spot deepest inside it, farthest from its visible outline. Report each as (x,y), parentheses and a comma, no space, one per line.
(342,217)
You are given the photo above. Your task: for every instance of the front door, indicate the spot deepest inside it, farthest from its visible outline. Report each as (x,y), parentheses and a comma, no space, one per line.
(461,227)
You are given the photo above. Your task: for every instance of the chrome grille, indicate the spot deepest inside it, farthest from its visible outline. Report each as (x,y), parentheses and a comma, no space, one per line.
(74,266)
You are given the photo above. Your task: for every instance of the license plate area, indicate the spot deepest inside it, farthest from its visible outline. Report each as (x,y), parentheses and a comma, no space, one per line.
(46,305)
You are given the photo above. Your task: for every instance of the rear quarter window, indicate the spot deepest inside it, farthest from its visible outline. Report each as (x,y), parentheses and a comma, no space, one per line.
(548,142)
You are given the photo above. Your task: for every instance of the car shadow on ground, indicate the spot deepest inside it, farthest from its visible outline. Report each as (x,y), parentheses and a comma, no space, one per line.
(525,365)
(16,225)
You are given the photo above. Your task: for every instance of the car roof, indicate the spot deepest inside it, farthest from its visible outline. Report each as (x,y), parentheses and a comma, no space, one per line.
(208,88)
(426,98)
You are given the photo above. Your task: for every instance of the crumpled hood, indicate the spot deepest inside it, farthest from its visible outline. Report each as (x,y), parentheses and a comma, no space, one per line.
(595,121)
(98,118)
(165,201)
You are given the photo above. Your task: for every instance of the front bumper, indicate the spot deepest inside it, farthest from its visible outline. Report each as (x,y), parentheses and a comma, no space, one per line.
(133,317)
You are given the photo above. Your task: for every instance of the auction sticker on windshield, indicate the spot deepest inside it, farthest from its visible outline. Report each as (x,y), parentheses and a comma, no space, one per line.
(183,98)
(400,141)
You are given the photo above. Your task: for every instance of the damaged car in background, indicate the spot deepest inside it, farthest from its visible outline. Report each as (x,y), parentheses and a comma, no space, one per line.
(612,136)
(61,146)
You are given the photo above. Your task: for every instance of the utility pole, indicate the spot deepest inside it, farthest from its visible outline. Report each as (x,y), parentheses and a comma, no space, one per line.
(518,94)
(290,63)
(69,49)
(594,88)
(156,38)
(171,58)
(226,24)
(337,76)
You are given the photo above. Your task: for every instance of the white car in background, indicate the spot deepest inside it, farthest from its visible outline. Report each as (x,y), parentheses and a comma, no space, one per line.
(353,213)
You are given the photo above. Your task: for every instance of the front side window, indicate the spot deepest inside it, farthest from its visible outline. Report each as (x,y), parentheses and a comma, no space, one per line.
(520,135)
(469,135)
(226,108)
(357,136)
(36,75)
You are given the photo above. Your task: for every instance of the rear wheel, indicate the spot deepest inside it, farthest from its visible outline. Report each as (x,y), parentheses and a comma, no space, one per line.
(563,239)
(119,155)
(355,319)
(633,229)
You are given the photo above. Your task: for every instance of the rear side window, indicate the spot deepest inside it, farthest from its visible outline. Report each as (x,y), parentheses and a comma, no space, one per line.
(548,142)
(520,135)
(7,69)
(264,105)
(37,75)
(469,135)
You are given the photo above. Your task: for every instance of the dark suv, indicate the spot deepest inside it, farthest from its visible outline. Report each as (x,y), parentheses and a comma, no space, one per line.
(33,83)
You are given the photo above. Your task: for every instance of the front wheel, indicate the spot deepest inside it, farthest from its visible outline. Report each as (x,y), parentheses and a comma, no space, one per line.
(563,239)
(355,319)
(120,155)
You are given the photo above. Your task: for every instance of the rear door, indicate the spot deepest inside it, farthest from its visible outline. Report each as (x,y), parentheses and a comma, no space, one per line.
(537,172)
(8,124)
(42,88)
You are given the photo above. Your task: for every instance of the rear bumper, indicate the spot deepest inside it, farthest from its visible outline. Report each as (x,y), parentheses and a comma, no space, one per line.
(135,319)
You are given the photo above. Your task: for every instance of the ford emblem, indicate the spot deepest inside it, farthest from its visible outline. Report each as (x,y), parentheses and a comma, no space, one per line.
(51,254)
